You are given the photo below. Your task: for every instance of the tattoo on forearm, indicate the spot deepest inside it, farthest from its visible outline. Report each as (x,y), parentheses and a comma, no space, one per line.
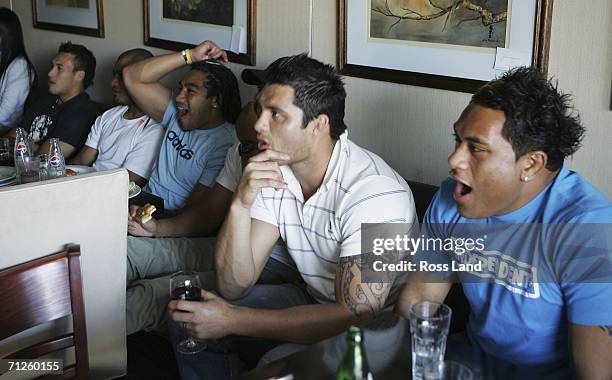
(362,299)
(607,329)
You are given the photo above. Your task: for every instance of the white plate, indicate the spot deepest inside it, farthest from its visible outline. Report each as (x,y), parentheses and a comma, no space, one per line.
(134,192)
(80,169)
(7,173)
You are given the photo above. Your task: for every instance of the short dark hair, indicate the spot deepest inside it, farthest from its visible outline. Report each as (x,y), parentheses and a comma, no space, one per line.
(318,88)
(135,55)
(538,116)
(221,82)
(84,60)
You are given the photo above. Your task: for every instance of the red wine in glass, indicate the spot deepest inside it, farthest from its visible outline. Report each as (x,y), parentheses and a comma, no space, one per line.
(186,286)
(187,293)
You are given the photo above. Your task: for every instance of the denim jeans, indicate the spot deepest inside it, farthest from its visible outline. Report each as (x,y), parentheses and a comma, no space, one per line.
(228,356)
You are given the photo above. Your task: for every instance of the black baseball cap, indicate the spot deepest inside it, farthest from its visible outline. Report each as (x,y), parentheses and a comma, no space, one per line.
(254,77)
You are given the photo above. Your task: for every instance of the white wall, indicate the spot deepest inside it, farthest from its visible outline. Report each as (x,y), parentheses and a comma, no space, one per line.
(581,59)
(416,139)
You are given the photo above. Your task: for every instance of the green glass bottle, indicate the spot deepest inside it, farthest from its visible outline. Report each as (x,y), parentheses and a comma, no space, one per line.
(354,365)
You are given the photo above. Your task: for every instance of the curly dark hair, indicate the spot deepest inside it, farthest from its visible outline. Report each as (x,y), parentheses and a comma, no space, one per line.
(538,116)
(221,82)
(318,88)
(83,60)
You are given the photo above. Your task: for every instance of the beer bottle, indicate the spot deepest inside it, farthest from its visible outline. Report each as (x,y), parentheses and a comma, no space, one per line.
(354,365)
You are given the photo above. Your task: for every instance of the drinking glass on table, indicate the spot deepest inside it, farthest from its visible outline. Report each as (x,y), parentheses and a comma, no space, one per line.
(186,286)
(31,170)
(44,166)
(429,324)
(5,152)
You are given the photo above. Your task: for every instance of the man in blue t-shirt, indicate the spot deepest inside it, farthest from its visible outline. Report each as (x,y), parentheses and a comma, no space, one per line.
(198,120)
(539,279)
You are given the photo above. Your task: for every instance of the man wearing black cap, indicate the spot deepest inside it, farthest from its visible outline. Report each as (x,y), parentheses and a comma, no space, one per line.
(254,77)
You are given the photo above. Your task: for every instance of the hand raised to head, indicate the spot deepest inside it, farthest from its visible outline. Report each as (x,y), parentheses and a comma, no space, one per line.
(207,50)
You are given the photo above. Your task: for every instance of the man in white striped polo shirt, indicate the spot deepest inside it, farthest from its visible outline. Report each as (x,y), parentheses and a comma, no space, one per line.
(312,187)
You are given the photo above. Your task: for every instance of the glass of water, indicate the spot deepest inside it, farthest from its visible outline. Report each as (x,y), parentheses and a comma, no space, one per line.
(44,166)
(429,324)
(30,171)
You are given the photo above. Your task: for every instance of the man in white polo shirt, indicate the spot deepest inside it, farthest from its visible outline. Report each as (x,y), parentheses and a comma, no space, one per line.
(123,136)
(312,187)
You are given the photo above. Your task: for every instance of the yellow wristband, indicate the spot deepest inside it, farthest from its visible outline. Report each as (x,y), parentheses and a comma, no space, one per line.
(188,54)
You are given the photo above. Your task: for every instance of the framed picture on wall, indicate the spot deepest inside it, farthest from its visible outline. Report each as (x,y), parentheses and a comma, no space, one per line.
(69,16)
(181,24)
(448,44)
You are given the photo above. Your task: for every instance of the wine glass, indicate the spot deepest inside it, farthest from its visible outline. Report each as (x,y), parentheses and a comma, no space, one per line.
(186,286)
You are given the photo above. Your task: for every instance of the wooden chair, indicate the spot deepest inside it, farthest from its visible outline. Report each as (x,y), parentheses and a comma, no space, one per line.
(43,290)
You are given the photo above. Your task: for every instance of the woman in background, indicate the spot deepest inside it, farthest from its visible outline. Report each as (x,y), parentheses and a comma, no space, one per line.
(17,74)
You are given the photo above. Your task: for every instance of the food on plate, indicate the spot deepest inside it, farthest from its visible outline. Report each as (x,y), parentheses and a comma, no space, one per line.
(70,173)
(144,214)
(131,187)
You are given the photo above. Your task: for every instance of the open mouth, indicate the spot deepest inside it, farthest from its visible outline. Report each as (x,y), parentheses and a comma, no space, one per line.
(461,190)
(182,112)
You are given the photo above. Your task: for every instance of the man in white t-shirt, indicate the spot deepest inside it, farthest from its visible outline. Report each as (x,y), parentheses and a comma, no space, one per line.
(123,136)
(314,188)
